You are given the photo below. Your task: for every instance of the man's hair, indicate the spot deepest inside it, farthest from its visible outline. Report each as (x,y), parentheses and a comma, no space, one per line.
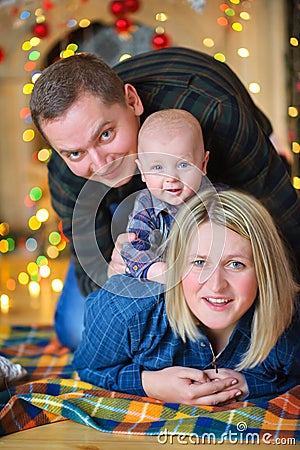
(245,215)
(64,81)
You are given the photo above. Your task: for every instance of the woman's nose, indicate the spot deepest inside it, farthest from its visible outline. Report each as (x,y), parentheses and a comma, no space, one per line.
(216,279)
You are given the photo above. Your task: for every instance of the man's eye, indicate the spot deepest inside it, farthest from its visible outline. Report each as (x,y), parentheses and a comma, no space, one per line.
(74,155)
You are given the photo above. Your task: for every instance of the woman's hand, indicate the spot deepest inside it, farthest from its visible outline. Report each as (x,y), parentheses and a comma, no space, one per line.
(117,264)
(189,386)
(224,373)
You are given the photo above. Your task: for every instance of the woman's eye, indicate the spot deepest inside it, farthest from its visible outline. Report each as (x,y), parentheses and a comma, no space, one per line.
(199,263)
(236,265)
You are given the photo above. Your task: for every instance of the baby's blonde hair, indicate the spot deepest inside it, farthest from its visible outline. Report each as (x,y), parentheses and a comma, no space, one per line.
(169,122)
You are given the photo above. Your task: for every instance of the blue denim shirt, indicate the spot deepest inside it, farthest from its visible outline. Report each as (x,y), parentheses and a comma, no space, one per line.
(127,331)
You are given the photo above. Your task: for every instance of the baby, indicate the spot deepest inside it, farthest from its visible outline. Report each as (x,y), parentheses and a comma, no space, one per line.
(172,161)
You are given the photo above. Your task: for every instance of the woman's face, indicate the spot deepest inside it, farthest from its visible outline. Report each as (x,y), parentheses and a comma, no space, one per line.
(219,286)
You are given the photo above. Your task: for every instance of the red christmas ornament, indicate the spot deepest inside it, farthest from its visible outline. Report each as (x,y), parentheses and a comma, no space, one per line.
(2,54)
(41,30)
(123,25)
(132,6)
(161,40)
(117,8)
(47,4)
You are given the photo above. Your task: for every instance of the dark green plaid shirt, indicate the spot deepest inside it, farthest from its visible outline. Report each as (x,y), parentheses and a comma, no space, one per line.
(235,132)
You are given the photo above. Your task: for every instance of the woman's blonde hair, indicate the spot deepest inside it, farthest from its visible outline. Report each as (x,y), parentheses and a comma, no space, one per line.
(277,288)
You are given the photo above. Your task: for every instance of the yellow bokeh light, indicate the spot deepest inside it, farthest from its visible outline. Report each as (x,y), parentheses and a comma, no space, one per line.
(40,19)
(161,17)
(159,30)
(4,228)
(73,47)
(66,53)
(124,56)
(44,271)
(57,285)
(28,135)
(294,41)
(235,2)
(208,42)
(52,252)
(34,288)
(35,76)
(243,52)
(296,182)
(236,26)
(295,147)
(254,87)
(42,215)
(84,23)
(293,111)
(34,41)
(23,278)
(33,223)
(3,246)
(27,88)
(32,268)
(244,15)
(220,57)
(26,46)
(61,246)
(44,154)
(4,303)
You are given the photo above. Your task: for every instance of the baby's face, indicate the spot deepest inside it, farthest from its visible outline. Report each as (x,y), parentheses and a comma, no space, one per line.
(172,169)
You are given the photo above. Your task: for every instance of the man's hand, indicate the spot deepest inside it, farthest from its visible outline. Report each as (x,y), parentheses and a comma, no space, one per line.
(117,264)
(189,386)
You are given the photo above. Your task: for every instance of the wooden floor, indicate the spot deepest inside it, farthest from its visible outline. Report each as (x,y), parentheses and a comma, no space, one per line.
(25,310)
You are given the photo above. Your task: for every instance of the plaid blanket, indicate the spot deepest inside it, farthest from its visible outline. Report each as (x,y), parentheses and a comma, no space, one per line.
(53,392)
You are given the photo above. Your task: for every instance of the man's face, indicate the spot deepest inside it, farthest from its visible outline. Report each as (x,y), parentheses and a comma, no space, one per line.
(98,141)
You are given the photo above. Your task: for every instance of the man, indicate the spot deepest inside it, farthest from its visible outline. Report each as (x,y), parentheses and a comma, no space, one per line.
(91,114)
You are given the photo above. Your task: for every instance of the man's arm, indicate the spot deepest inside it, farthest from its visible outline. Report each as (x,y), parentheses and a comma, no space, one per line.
(91,226)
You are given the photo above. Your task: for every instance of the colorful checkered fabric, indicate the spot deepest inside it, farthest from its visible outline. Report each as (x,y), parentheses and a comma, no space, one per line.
(59,395)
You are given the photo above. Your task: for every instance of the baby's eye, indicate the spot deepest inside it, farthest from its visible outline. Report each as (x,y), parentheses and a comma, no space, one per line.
(183,164)
(105,135)
(157,167)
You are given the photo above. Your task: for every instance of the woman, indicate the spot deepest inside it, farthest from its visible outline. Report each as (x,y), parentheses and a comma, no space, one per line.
(227,326)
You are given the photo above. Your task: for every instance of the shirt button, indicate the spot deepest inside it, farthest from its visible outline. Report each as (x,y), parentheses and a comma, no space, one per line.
(202,344)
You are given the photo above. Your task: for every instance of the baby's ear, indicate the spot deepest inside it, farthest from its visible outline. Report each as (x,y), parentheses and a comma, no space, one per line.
(138,163)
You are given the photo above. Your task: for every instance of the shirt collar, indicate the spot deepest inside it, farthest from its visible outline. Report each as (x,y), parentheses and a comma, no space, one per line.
(160,206)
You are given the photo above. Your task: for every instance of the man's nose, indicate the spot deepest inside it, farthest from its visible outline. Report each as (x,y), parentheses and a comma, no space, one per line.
(97,160)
